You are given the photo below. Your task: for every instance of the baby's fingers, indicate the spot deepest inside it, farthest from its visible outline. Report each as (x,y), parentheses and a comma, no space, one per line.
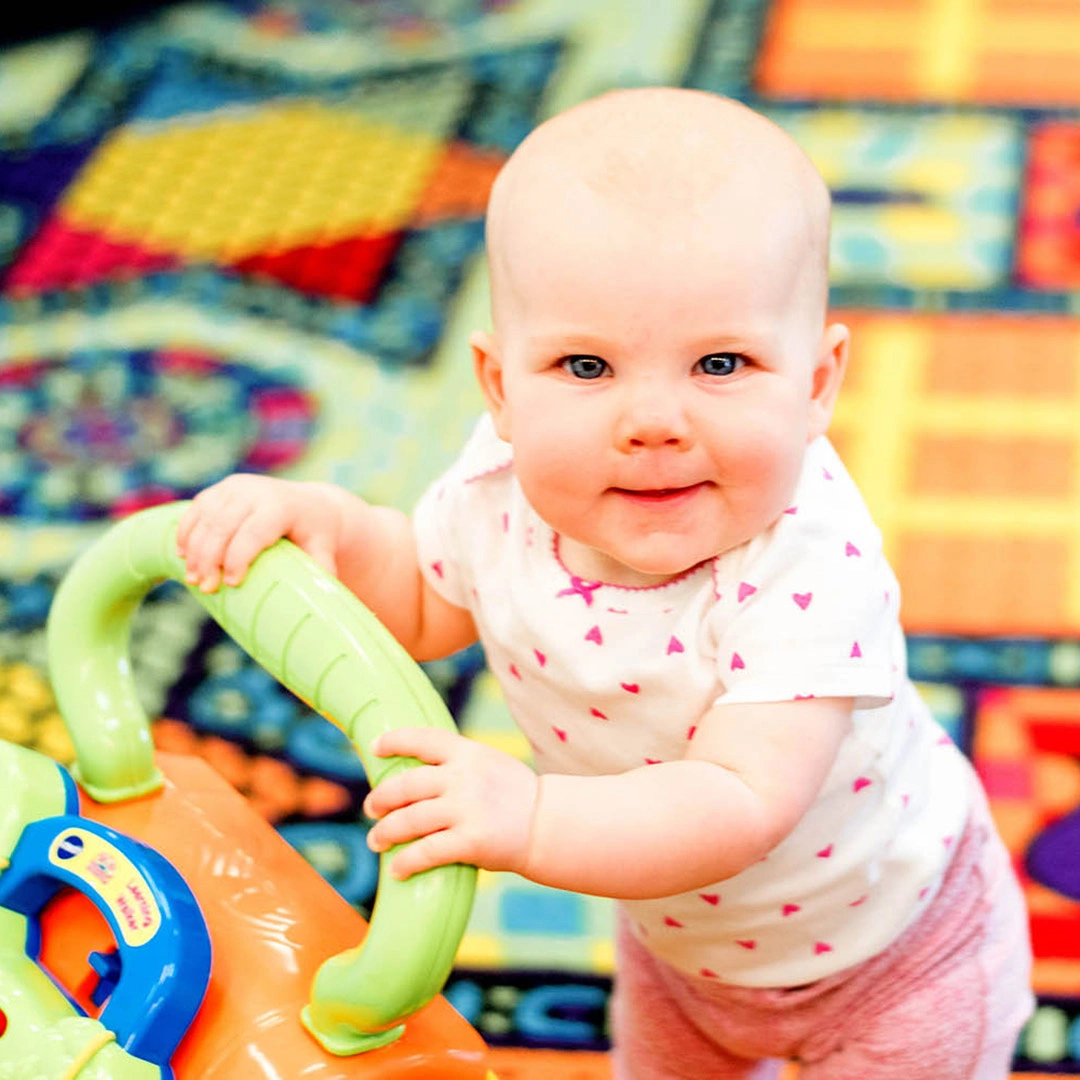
(409,823)
(413,785)
(210,536)
(254,534)
(184,527)
(218,505)
(204,554)
(435,849)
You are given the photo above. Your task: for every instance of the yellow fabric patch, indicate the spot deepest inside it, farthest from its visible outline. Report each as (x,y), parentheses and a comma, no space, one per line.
(253,182)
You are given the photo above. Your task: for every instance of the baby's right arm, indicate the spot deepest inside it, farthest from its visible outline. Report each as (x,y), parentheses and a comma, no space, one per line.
(371,549)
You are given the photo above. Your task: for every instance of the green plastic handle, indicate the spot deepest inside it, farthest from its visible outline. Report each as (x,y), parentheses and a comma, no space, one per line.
(314,635)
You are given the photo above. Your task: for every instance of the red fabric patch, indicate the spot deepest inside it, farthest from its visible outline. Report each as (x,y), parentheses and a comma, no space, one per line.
(349,269)
(61,256)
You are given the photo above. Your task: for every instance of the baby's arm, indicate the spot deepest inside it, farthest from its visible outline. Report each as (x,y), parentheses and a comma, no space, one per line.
(749,775)
(377,560)
(371,549)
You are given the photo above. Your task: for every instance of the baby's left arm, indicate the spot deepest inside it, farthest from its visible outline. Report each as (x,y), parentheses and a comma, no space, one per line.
(750,773)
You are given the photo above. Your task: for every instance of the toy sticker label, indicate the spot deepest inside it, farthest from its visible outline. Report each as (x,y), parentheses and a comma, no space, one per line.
(112,876)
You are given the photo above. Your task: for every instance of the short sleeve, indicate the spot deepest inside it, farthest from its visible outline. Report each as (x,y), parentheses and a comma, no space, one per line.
(445,517)
(815,614)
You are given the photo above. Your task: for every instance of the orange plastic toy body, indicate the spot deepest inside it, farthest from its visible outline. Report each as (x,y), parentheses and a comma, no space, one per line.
(272,922)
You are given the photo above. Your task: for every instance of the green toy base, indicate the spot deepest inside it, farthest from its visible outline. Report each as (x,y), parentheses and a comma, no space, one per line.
(118,794)
(355,1043)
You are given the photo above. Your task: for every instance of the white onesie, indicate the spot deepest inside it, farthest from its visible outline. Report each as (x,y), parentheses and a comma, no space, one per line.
(605,678)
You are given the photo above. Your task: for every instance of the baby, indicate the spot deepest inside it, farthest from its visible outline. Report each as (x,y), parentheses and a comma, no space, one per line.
(685,601)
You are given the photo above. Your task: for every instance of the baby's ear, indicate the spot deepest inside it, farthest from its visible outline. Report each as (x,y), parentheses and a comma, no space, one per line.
(830,362)
(489,374)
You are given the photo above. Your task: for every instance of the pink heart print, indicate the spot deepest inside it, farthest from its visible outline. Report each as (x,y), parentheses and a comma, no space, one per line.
(710,898)
(790,909)
(802,599)
(745,590)
(674,645)
(595,635)
(737,662)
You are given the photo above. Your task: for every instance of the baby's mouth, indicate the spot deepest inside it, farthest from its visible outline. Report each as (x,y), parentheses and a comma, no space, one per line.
(659,496)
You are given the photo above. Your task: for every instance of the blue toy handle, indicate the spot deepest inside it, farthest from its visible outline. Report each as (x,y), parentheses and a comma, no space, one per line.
(164,946)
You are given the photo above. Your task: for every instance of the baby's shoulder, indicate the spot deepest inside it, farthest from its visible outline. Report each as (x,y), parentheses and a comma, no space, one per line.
(826,531)
(480,463)
(827,503)
(484,454)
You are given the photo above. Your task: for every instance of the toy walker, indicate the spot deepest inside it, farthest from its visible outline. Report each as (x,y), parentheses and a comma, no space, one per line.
(152,925)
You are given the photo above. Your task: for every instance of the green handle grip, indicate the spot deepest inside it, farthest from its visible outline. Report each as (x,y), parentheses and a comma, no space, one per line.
(316,637)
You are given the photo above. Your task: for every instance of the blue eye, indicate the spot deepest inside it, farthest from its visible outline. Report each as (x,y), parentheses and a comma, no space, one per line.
(722,363)
(584,367)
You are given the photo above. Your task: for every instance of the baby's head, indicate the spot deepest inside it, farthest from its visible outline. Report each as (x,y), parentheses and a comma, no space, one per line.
(660,357)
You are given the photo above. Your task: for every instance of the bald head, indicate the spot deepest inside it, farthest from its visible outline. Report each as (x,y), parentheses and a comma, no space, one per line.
(670,157)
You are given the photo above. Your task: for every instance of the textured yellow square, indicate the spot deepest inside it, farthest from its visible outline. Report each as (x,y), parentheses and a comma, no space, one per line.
(231,185)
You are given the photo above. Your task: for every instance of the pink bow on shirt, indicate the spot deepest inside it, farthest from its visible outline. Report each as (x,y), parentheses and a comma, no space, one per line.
(581,588)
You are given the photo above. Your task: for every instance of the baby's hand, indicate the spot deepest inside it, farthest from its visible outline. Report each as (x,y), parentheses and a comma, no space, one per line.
(228,524)
(470,804)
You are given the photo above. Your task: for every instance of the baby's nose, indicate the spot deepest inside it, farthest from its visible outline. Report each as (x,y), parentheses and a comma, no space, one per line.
(652,419)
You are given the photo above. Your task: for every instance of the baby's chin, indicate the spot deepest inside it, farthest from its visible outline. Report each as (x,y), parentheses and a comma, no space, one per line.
(650,561)
(645,571)
(670,558)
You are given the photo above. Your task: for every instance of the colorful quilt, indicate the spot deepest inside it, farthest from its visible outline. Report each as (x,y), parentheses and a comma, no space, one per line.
(249,235)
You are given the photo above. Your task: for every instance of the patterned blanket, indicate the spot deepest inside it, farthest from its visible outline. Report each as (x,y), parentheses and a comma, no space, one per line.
(249,236)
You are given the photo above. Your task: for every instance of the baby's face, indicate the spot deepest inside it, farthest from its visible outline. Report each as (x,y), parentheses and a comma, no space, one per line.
(657,384)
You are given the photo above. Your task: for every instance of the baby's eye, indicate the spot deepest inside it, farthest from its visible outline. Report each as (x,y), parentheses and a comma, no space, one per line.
(584,367)
(721,363)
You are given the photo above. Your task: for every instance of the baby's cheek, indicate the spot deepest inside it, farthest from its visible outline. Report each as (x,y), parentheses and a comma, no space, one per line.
(556,477)
(555,492)
(763,461)
(553,448)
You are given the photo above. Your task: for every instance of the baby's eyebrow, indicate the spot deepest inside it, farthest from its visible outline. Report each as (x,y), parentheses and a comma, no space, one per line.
(581,343)
(730,343)
(570,343)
